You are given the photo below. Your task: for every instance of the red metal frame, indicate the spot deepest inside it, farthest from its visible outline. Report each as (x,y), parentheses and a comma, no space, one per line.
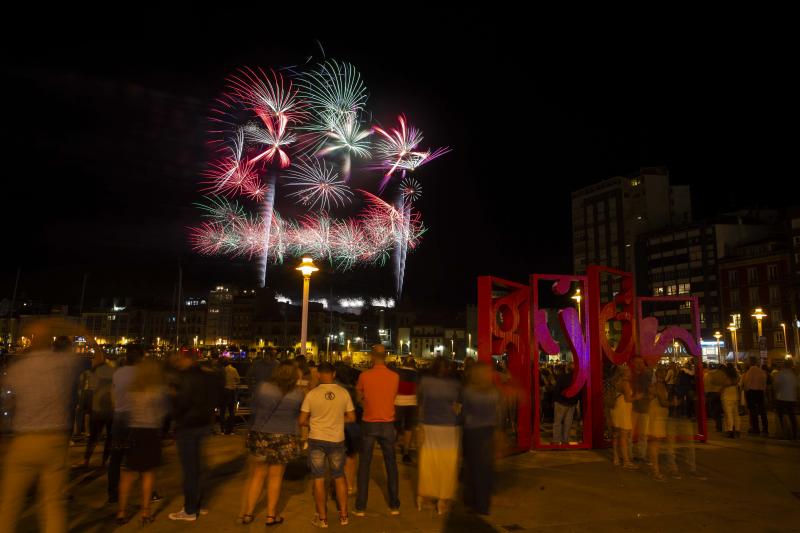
(598,316)
(653,343)
(522,330)
(511,337)
(577,335)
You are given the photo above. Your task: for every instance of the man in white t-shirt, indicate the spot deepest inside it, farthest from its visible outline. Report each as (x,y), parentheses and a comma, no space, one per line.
(325,409)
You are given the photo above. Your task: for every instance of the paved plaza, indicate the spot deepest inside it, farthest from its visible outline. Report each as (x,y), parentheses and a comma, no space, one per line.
(751,484)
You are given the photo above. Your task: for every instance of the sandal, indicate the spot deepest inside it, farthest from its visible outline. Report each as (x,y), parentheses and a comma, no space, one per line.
(320,522)
(245,519)
(276,521)
(121,519)
(146,519)
(344,519)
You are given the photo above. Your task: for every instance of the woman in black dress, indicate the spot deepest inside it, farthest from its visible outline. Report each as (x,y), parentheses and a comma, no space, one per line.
(148,395)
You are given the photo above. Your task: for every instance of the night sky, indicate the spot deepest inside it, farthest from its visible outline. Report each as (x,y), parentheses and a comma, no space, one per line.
(105,138)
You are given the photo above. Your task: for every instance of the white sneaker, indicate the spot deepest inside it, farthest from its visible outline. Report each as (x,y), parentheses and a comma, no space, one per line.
(394,512)
(183,515)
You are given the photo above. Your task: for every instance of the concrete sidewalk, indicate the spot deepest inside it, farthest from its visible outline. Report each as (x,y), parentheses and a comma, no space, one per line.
(749,484)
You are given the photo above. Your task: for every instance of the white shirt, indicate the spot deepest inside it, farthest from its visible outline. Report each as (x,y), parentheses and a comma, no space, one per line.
(327,404)
(121,382)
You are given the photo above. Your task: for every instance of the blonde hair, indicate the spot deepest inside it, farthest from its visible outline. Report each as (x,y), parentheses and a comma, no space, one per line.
(284,377)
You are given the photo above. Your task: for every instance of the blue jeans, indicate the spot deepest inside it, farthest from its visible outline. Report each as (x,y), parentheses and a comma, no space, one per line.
(385,434)
(189,441)
(324,457)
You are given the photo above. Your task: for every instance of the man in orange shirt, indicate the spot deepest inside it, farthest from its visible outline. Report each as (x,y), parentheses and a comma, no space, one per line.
(376,391)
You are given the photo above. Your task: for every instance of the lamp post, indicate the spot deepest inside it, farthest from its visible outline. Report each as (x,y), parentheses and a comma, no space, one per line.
(452,348)
(577,297)
(718,336)
(759,315)
(785,341)
(732,328)
(307,268)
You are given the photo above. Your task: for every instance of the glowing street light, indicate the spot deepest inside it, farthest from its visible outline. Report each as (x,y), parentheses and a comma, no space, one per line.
(759,315)
(732,328)
(785,341)
(718,336)
(307,268)
(577,297)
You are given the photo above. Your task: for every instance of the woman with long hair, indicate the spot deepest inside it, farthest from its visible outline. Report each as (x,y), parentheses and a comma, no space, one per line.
(621,417)
(482,412)
(148,399)
(439,399)
(273,440)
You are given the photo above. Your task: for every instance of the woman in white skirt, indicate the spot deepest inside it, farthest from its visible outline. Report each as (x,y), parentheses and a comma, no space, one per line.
(621,418)
(439,400)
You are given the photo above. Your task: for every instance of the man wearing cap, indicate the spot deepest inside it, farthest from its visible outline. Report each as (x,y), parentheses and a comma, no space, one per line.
(325,410)
(376,391)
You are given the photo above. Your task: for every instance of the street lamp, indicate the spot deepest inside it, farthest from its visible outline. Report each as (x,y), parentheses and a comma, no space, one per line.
(718,336)
(307,268)
(732,328)
(759,315)
(577,297)
(452,349)
(785,343)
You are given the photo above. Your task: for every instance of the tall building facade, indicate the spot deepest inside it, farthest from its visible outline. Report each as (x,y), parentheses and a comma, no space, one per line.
(608,217)
(759,275)
(685,261)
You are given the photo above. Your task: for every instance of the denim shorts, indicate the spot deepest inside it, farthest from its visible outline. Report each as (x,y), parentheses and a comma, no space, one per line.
(326,456)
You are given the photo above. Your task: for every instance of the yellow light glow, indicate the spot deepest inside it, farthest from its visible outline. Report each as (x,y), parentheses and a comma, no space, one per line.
(307,267)
(758,314)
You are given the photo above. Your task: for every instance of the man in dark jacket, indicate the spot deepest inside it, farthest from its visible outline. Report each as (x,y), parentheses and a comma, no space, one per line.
(195,393)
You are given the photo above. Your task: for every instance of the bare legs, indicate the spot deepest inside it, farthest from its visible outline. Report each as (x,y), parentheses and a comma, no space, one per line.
(350,466)
(126,480)
(127,477)
(621,441)
(259,473)
(253,486)
(653,446)
(274,480)
(320,496)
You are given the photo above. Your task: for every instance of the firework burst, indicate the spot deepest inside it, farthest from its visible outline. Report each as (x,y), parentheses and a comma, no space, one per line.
(272,136)
(410,190)
(334,91)
(397,148)
(318,184)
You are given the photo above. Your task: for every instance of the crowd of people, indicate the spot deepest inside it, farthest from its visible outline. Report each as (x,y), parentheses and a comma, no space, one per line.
(330,415)
(654,410)
(448,421)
